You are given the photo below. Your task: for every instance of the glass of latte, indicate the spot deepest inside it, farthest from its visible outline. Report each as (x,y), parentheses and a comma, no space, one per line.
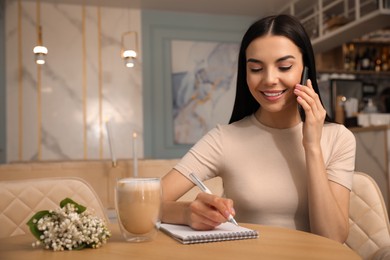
(138,207)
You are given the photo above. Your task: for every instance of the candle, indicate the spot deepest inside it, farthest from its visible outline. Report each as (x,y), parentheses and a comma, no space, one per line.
(135,159)
(110,143)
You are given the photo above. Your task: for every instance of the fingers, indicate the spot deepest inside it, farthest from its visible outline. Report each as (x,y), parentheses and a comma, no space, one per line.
(202,217)
(209,211)
(309,100)
(223,205)
(306,93)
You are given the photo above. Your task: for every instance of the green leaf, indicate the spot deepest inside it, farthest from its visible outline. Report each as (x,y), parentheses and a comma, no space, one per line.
(33,226)
(80,208)
(80,247)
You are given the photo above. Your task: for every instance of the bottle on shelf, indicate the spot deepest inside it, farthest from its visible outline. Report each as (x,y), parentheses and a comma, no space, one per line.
(385,59)
(378,62)
(347,60)
(349,57)
(365,59)
(358,64)
(373,52)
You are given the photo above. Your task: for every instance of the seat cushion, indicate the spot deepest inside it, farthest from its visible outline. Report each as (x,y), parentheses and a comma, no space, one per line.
(369,224)
(21,199)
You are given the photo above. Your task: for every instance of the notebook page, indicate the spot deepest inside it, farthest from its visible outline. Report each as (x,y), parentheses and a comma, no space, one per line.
(225,231)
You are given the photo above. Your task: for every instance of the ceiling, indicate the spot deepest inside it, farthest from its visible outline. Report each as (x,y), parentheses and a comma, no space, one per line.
(255,8)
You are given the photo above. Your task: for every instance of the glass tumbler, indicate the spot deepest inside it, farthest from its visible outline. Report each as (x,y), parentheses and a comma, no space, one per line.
(138,207)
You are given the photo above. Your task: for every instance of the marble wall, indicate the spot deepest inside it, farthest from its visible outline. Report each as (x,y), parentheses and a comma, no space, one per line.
(78,89)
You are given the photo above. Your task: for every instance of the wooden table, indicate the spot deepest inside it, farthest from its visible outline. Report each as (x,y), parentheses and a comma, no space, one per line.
(273,243)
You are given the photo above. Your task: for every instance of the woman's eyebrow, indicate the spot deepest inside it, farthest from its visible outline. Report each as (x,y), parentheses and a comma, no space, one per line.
(253,60)
(278,60)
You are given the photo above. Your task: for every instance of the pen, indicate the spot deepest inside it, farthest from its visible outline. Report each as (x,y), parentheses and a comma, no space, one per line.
(203,187)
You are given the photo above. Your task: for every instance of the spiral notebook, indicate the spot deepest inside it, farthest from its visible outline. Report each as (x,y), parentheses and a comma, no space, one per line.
(224,232)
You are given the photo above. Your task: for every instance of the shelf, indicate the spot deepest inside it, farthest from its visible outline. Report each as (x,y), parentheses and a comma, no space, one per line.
(352,30)
(327,32)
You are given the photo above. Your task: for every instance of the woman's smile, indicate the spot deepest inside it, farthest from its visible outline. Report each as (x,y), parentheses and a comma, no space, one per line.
(273,95)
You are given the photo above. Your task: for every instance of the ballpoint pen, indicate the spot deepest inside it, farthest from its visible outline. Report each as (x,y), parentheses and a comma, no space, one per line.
(204,188)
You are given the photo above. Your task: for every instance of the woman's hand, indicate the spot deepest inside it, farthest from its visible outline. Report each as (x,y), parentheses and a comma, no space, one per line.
(314,111)
(204,213)
(328,201)
(208,211)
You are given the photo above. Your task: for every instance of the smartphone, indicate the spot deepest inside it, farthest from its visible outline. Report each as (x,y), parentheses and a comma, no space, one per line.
(305,76)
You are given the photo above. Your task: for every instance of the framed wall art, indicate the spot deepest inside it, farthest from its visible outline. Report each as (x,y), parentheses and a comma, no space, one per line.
(189,77)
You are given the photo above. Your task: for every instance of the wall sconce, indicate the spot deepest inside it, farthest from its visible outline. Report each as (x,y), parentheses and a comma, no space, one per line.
(40,51)
(129,55)
(129,58)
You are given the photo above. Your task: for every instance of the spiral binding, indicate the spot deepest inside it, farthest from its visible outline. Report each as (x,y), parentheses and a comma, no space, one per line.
(221,237)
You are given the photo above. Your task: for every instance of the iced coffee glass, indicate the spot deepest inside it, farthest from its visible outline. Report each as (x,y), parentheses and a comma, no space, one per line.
(138,207)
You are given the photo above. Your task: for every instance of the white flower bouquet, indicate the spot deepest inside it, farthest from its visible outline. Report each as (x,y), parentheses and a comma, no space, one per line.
(70,227)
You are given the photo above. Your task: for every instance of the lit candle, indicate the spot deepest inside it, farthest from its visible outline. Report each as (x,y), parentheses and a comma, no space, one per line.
(110,143)
(135,159)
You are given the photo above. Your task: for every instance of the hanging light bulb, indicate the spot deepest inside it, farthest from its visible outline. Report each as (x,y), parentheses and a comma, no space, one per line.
(129,55)
(40,51)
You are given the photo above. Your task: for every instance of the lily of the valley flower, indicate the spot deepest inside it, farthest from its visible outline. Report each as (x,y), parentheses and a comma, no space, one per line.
(70,227)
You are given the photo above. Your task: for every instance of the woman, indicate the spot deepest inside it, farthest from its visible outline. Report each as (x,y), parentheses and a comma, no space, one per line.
(279,168)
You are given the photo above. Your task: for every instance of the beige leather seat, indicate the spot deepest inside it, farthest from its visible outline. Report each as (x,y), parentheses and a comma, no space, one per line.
(369,233)
(20,199)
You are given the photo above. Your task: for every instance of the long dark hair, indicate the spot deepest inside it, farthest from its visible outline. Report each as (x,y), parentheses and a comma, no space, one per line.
(281,25)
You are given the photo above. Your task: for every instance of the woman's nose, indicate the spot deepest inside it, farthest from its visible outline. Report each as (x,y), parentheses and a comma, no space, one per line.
(271,77)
